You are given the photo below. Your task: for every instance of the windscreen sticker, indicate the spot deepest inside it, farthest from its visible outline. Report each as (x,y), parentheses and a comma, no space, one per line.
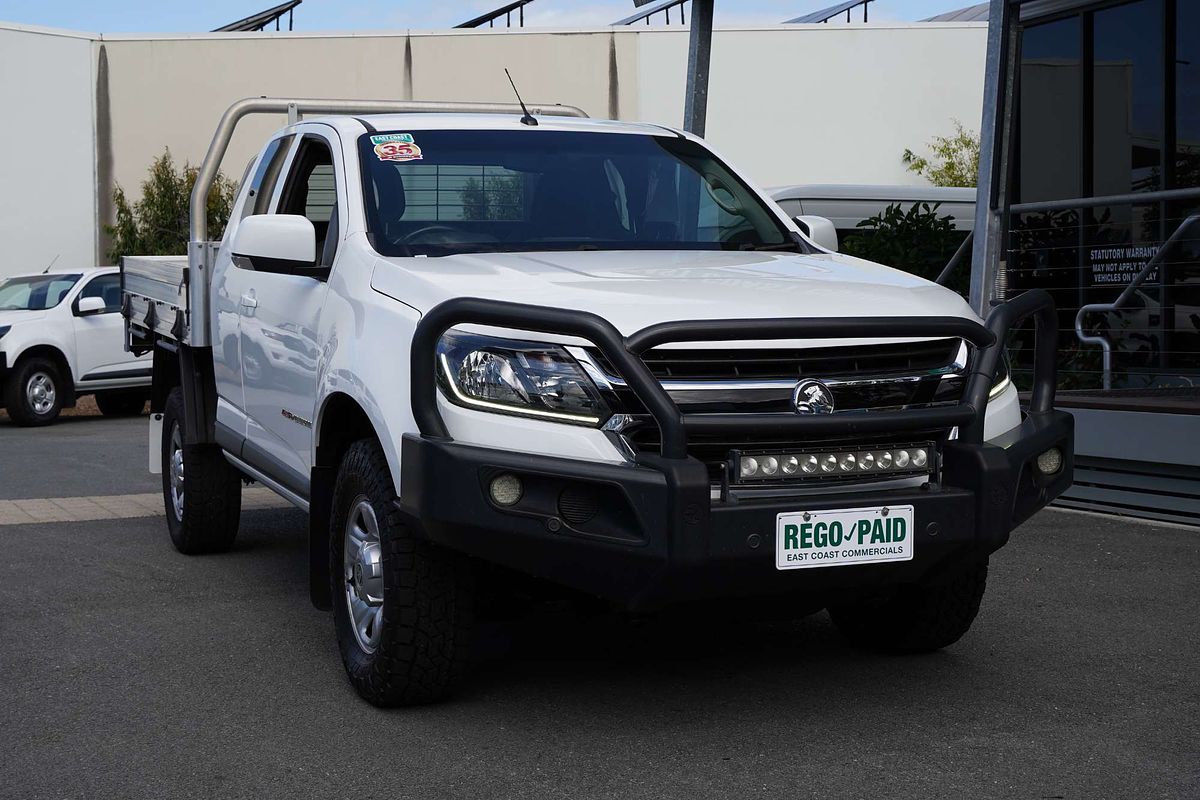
(396,147)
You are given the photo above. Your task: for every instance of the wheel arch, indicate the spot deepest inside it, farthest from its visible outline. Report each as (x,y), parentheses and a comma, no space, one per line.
(340,422)
(54,354)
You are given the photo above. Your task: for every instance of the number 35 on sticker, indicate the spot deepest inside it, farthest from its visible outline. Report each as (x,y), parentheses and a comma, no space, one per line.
(396,147)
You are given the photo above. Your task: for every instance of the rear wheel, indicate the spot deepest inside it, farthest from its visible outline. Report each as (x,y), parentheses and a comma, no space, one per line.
(916,619)
(201,490)
(34,393)
(402,608)
(121,403)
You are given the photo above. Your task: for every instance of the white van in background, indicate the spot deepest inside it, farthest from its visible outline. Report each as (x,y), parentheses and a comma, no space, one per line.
(847,205)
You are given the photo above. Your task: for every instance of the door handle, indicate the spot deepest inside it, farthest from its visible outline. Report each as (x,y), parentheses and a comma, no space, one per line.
(249,301)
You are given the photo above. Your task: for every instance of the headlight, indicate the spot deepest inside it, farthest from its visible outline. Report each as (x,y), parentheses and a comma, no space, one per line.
(1003,379)
(4,329)
(528,379)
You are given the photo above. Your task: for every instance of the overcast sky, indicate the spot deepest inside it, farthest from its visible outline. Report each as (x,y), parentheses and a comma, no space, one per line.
(118,16)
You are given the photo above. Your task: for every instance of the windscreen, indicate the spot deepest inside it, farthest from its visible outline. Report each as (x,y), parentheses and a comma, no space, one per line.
(35,293)
(445,192)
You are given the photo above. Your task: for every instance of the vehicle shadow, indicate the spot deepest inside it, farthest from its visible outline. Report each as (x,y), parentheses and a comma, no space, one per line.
(68,420)
(553,652)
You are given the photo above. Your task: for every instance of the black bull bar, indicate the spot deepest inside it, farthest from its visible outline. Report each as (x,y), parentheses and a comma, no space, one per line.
(624,352)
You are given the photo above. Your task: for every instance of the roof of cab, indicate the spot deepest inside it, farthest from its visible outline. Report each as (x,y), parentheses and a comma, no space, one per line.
(81,271)
(353,125)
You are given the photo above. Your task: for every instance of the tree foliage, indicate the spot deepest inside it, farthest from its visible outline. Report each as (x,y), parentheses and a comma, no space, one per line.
(157,224)
(954,160)
(917,241)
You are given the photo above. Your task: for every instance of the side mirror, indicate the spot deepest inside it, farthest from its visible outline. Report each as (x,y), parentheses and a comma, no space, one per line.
(820,230)
(87,306)
(285,243)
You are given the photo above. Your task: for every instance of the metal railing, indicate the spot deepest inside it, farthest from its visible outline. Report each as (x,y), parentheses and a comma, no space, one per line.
(662,7)
(504,11)
(943,278)
(826,14)
(1079,203)
(1123,298)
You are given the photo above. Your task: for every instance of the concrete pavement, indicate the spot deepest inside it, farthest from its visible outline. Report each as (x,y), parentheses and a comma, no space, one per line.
(128,670)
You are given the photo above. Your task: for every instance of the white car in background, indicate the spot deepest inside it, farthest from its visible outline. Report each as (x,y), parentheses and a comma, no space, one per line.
(62,336)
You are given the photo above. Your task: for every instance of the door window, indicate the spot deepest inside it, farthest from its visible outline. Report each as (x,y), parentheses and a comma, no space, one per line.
(107,288)
(311,192)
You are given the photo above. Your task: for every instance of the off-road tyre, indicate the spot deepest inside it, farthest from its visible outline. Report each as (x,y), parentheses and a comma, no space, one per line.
(212,496)
(16,394)
(916,619)
(119,403)
(425,633)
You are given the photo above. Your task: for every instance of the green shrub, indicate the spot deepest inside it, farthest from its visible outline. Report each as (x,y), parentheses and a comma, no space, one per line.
(955,159)
(919,241)
(157,225)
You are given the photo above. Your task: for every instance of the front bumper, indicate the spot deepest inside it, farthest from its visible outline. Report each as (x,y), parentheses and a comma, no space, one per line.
(650,532)
(657,536)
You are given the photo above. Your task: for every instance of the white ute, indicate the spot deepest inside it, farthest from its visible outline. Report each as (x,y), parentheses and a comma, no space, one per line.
(62,336)
(489,351)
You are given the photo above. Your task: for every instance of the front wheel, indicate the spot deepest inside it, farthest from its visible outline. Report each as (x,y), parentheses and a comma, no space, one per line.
(201,490)
(34,394)
(916,619)
(402,608)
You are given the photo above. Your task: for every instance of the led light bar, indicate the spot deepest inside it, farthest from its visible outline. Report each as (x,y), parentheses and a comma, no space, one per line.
(872,462)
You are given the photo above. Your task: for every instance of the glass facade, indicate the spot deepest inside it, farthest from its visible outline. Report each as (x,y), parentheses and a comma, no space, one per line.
(1109,104)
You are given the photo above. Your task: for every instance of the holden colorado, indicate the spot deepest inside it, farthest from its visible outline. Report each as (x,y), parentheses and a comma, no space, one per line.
(61,337)
(496,351)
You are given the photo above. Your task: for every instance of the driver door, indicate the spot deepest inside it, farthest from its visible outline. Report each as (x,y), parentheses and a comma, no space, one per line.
(280,320)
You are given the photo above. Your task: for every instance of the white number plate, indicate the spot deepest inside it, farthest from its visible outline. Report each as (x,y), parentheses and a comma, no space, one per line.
(843,536)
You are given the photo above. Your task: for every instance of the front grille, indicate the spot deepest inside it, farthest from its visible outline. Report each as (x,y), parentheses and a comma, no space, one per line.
(722,380)
(714,364)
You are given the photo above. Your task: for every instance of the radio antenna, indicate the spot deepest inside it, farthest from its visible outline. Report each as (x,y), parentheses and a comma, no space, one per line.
(528,119)
(51,264)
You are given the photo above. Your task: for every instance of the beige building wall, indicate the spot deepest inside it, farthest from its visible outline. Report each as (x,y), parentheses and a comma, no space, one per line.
(47,172)
(169,92)
(823,103)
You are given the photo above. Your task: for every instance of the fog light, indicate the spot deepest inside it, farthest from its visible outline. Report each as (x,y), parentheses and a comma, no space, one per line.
(884,459)
(769,466)
(1050,462)
(828,462)
(809,464)
(791,465)
(866,462)
(506,489)
(902,459)
(848,462)
(919,458)
(749,467)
